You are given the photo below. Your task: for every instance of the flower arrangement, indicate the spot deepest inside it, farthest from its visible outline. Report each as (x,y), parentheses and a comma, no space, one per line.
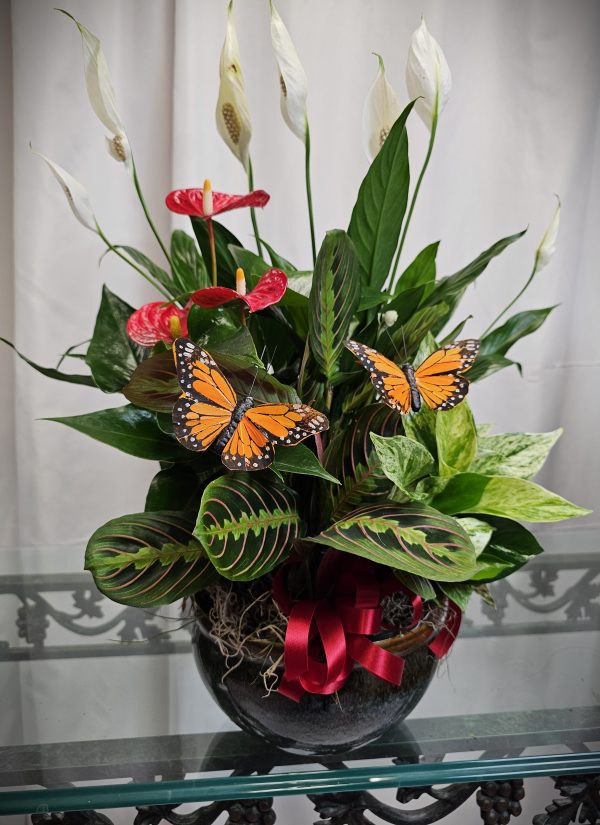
(285,473)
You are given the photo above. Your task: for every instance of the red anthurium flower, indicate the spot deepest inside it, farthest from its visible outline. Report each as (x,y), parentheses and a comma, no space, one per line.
(269,290)
(156,322)
(204,203)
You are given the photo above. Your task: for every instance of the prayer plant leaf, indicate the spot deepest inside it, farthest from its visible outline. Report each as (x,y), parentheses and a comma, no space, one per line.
(510,547)
(148,559)
(50,372)
(112,356)
(350,456)
(333,299)
(460,593)
(247,527)
(379,210)
(456,439)
(403,461)
(520,455)
(129,429)
(153,385)
(299,459)
(513,498)
(410,537)
(422,587)
(189,269)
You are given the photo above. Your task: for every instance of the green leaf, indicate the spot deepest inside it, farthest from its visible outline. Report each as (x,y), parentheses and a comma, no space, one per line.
(226,265)
(148,559)
(421,271)
(520,455)
(371,297)
(480,533)
(300,282)
(500,340)
(456,439)
(247,527)
(455,332)
(299,459)
(406,304)
(488,364)
(451,288)
(189,271)
(278,260)
(50,372)
(403,460)
(458,593)
(379,210)
(112,356)
(410,537)
(405,339)
(421,427)
(351,457)
(422,587)
(129,429)
(153,385)
(157,272)
(212,325)
(513,498)
(333,299)
(510,547)
(179,486)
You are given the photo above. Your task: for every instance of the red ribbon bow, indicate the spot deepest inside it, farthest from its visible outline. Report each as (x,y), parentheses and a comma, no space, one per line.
(336,627)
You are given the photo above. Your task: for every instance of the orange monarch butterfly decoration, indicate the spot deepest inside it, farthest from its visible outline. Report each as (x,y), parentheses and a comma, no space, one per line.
(438,381)
(208,413)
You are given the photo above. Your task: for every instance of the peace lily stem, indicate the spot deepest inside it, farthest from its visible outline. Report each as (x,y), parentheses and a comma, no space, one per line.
(311,218)
(513,302)
(415,194)
(127,260)
(252,210)
(138,189)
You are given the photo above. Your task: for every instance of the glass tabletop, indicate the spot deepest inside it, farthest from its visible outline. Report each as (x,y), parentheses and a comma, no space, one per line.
(103,706)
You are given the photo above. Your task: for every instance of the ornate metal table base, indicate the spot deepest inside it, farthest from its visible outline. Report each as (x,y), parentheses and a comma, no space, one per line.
(579,801)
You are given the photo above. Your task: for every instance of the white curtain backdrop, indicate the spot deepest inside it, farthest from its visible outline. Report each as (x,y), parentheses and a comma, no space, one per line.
(522,124)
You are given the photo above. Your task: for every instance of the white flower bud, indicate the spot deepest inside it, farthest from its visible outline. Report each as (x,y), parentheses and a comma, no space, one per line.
(427,75)
(233,114)
(547,246)
(292,78)
(380,113)
(390,317)
(75,193)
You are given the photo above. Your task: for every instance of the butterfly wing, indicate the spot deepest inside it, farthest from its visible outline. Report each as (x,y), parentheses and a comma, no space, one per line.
(439,378)
(387,378)
(248,448)
(287,424)
(204,408)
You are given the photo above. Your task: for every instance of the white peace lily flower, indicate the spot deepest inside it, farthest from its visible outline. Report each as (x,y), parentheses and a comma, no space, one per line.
(75,193)
(427,75)
(233,115)
(292,78)
(547,246)
(101,94)
(380,113)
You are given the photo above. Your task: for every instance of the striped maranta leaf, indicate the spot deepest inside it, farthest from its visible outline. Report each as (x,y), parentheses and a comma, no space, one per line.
(148,559)
(333,299)
(410,537)
(247,527)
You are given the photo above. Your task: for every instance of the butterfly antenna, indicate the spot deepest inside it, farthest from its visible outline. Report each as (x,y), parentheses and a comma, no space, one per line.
(395,347)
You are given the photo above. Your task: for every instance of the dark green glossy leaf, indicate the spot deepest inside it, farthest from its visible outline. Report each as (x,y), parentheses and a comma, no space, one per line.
(157,272)
(406,304)
(402,342)
(206,325)
(500,340)
(301,460)
(129,429)
(421,271)
(112,356)
(371,297)
(489,364)
(189,271)
(153,385)
(247,527)
(510,547)
(226,265)
(459,593)
(148,559)
(50,372)
(179,486)
(411,537)
(379,210)
(278,260)
(455,332)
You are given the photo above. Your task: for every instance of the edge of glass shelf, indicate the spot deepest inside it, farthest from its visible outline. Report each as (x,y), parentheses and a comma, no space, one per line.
(177,792)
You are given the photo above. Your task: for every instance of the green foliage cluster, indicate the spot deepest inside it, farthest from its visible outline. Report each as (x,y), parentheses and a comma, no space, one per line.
(430,495)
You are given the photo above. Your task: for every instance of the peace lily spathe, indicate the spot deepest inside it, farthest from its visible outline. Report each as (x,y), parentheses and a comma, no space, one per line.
(233,115)
(292,78)
(380,112)
(75,193)
(101,94)
(547,246)
(428,75)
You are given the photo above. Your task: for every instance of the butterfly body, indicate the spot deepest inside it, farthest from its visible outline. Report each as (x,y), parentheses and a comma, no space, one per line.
(438,381)
(208,414)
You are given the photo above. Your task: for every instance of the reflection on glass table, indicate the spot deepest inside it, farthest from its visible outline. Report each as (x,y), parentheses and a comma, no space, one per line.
(103,706)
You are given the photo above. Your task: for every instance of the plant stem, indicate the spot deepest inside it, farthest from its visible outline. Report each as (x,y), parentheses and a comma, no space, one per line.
(138,189)
(253,210)
(311,218)
(145,275)
(414,197)
(303,366)
(213,252)
(514,300)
